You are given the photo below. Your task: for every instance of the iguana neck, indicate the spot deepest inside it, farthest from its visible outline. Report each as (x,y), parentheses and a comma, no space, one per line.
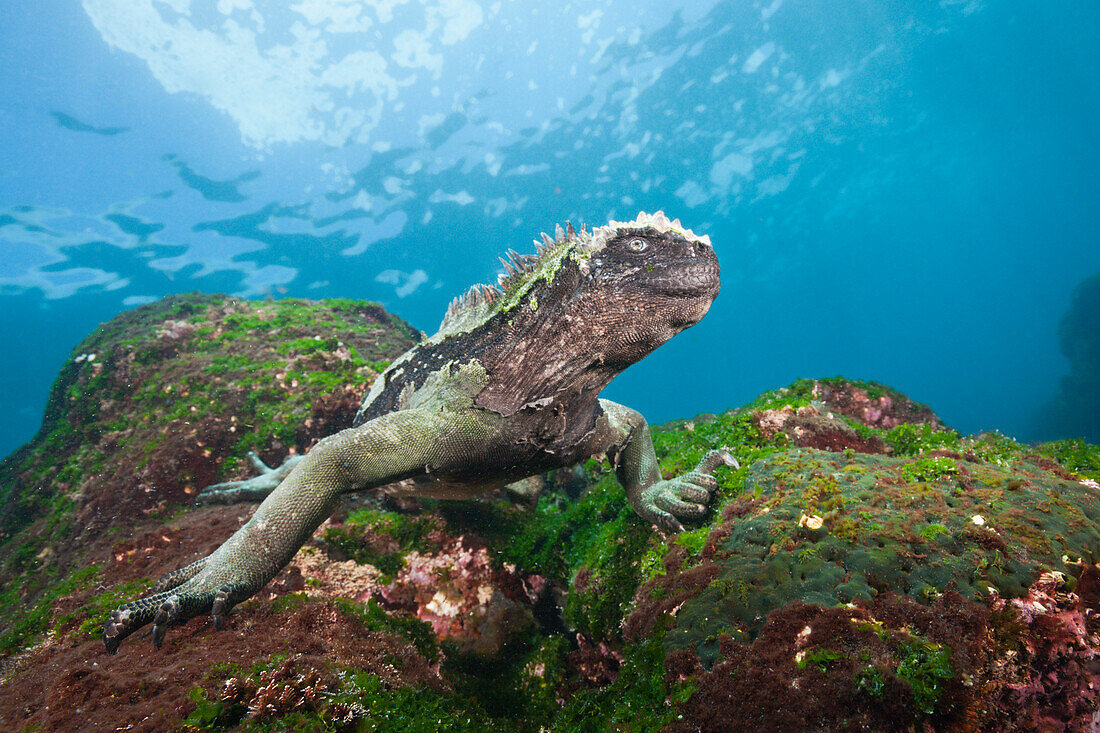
(561,349)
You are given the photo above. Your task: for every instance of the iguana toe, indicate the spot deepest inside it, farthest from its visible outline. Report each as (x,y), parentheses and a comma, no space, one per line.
(665,521)
(253,489)
(693,495)
(680,508)
(258,463)
(220,608)
(166,614)
(177,578)
(685,496)
(116,629)
(193,598)
(715,458)
(129,618)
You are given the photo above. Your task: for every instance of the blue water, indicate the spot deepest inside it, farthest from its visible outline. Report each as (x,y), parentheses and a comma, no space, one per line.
(903,192)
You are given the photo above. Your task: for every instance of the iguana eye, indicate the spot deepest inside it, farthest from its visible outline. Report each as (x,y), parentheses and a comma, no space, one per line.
(637,245)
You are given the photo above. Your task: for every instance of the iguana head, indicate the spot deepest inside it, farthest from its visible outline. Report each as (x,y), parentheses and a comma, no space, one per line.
(650,269)
(566,320)
(657,274)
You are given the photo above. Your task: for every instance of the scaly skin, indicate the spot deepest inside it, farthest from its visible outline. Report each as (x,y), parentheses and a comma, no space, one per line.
(507,389)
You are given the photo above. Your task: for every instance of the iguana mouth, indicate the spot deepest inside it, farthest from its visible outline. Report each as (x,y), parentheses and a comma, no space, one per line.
(694,280)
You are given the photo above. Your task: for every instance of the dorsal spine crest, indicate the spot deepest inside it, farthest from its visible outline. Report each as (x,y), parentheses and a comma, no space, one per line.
(477,302)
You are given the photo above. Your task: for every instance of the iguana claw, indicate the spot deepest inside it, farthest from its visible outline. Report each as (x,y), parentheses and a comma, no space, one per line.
(220,609)
(685,496)
(196,596)
(166,614)
(112,632)
(715,458)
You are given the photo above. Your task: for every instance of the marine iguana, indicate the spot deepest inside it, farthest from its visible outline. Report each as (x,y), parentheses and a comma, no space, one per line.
(508,388)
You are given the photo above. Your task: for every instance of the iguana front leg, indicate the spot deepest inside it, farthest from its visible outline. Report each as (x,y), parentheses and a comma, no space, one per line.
(661,501)
(389,448)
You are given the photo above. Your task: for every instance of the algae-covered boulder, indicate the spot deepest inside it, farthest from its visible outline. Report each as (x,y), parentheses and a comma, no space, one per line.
(1075,404)
(908,576)
(154,405)
(866,567)
(830,528)
(166,399)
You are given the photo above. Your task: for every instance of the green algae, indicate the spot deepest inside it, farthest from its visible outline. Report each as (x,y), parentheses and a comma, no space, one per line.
(639,699)
(693,540)
(354,699)
(394,536)
(521,687)
(239,357)
(31,621)
(1076,456)
(597,544)
(929,469)
(870,681)
(652,563)
(603,587)
(925,666)
(592,545)
(413,630)
(27,622)
(93,613)
(909,439)
(681,444)
(906,525)
(823,659)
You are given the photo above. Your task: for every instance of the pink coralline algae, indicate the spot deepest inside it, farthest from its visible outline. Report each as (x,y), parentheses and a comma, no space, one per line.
(885,411)
(332,579)
(173,330)
(819,424)
(465,597)
(808,427)
(1051,680)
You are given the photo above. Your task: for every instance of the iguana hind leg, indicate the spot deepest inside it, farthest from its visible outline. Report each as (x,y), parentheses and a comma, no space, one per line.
(191,598)
(389,448)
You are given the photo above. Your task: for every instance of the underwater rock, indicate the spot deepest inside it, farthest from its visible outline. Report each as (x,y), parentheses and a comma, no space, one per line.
(809,428)
(155,404)
(1026,664)
(466,598)
(821,423)
(872,404)
(945,581)
(876,665)
(919,526)
(177,394)
(67,685)
(1043,673)
(1075,407)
